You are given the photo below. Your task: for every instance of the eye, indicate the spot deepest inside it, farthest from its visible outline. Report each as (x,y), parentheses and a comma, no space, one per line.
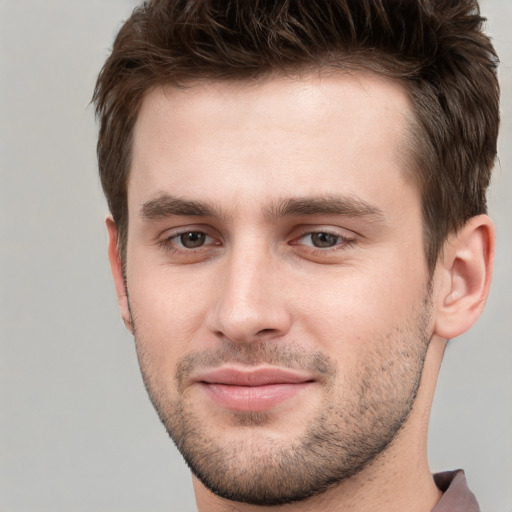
(323,240)
(187,241)
(191,239)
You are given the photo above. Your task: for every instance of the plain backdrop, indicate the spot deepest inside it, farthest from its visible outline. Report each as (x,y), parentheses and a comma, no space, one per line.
(77,432)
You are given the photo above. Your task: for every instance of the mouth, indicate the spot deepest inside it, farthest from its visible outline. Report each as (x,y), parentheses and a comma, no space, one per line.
(253,390)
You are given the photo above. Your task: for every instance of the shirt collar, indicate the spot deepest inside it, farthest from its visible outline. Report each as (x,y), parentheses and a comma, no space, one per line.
(456,495)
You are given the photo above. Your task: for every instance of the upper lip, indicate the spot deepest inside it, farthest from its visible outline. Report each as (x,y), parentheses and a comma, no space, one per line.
(251,376)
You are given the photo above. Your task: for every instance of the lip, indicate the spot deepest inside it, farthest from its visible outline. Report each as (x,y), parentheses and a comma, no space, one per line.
(253,390)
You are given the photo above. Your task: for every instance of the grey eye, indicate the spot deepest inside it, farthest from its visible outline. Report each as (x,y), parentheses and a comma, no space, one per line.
(192,239)
(324,239)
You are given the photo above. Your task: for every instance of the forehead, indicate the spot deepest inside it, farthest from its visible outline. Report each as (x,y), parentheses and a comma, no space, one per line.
(221,139)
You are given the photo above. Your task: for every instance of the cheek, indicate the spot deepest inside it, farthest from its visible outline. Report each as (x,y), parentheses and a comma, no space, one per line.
(168,315)
(362,311)
(362,297)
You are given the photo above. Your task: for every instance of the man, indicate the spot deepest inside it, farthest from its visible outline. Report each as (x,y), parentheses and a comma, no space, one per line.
(298,226)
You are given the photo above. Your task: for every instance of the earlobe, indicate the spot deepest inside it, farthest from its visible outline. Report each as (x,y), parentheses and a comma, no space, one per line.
(464,274)
(117,272)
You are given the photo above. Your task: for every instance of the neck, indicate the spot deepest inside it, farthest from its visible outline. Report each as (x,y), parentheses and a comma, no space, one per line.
(398,480)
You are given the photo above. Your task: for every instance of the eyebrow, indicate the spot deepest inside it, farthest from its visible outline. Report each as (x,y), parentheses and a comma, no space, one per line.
(347,206)
(166,205)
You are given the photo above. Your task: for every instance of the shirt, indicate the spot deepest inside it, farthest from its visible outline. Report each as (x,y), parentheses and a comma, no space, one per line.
(457,497)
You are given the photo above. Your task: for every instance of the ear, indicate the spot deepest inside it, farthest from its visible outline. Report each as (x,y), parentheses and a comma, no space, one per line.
(117,272)
(463,275)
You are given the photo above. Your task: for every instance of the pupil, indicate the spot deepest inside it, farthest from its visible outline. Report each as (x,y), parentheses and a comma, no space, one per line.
(192,239)
(323,239)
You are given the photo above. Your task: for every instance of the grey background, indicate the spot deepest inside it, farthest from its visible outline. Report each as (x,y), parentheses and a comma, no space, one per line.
(77,432)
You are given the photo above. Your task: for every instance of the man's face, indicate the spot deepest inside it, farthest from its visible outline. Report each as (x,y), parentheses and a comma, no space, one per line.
(277,278)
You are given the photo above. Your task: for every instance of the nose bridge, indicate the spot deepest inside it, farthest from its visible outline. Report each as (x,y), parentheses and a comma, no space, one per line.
(249,304)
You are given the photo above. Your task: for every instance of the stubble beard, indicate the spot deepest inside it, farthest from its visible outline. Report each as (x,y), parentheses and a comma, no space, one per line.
(345,436)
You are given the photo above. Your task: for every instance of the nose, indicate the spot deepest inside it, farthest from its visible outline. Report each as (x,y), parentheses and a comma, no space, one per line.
(251,302)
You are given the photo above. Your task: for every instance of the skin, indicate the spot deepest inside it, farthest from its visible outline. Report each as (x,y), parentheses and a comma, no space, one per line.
(260,174)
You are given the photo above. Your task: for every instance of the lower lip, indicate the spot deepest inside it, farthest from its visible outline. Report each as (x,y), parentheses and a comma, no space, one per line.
(252,398)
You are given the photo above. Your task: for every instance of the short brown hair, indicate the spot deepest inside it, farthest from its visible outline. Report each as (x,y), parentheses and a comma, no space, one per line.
(436,48)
